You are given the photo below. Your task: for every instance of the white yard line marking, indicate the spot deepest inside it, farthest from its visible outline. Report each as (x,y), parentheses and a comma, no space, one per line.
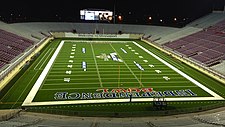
(115,100)
(122,73)
(70,83)
(41,59)
(181,73)
(46,59)
(41,78)
(127,66)
(73,88)
(96,65)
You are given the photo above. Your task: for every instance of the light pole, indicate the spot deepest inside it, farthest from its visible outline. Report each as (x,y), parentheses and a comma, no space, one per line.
(114,11)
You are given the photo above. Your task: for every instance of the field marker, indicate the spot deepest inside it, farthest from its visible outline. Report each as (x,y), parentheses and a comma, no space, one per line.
(70,61)
(158,71)
(145,61)
(166,78)
(69,66)
(124,50)
(71,56)
(83,50)
(151,65)
(140,57)
(96,65)
(84,66)
(139,66)
(66,80)
(68,72)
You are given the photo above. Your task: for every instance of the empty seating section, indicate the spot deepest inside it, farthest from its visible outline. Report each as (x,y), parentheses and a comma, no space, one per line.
(11,45)
(206,46)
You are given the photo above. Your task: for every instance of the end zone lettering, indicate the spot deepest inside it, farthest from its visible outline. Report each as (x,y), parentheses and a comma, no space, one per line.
(119,90)
(123,93)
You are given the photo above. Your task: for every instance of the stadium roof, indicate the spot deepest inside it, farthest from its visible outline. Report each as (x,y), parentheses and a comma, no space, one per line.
(162,12)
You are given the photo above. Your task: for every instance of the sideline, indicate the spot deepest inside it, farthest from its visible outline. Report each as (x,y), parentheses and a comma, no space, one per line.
(41,78)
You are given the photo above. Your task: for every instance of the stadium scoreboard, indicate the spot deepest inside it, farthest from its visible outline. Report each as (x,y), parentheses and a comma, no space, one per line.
(96,14)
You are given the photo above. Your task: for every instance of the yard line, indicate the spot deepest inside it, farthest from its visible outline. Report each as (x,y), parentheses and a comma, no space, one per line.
(93,53)
(90,78)
(68,83)
(54,79)
(45,59)
(42,58)
(80,75)
(127,66)
(70,88)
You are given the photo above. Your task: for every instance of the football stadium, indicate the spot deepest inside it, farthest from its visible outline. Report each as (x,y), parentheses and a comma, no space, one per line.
(105,71)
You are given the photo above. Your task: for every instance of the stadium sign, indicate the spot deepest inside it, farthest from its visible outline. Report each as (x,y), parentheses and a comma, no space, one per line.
(75,35)
(123,93)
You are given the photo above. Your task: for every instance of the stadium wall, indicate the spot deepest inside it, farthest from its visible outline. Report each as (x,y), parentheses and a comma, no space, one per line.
(75,35)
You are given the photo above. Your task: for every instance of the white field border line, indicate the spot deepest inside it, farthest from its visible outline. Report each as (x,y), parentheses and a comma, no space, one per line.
(114,100)
(216,96)
(46,59)
(113,87)
(98,41)
(41,78)
(41,60)
(29,99)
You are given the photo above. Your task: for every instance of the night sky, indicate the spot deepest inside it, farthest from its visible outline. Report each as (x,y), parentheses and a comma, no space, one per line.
(133,11)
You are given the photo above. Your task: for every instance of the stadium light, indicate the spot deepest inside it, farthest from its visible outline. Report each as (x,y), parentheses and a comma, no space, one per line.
(120,17)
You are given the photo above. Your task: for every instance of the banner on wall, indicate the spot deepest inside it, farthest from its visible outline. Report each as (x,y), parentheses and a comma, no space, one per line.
(97,35)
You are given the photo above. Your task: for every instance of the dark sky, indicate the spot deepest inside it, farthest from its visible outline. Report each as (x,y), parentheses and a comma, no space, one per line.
(134,11)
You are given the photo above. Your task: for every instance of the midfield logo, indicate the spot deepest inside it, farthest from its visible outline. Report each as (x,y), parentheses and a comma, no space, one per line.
(123,93)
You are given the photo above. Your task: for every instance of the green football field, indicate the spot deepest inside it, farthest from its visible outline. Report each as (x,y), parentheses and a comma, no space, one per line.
(113,70)
(104,71)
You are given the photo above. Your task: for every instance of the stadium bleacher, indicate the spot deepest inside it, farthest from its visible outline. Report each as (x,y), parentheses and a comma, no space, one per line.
(11,45)
(206,46)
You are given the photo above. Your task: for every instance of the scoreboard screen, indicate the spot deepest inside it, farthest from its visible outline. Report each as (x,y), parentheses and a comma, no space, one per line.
(88,14)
